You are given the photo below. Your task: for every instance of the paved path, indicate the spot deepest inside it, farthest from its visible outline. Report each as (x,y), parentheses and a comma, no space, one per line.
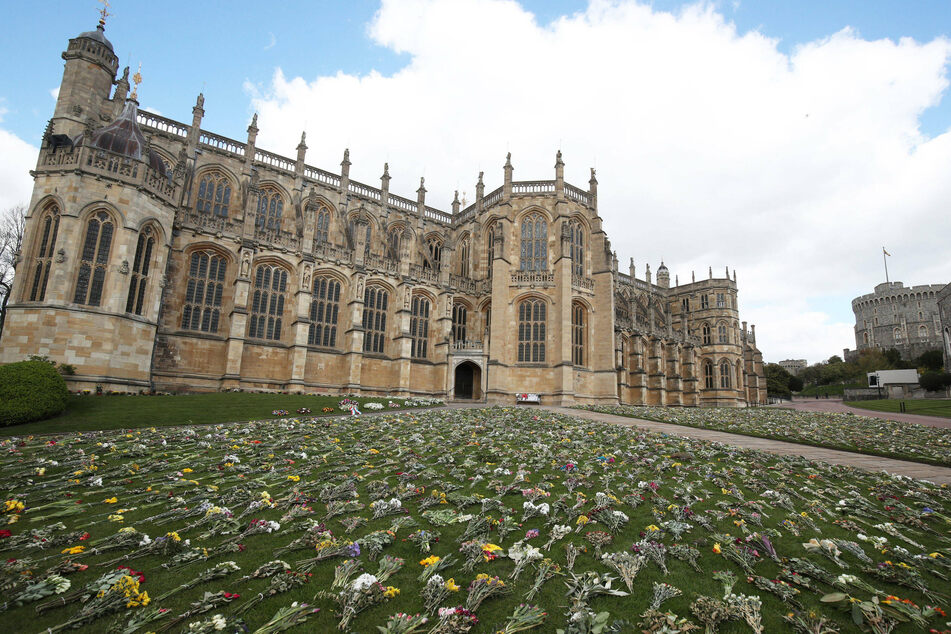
(940,475)
(836,405)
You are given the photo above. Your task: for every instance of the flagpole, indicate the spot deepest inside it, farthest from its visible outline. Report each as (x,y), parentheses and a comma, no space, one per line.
(885,260)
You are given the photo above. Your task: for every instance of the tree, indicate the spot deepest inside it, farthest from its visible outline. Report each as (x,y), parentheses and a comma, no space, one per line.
(795,383)
(777,380)
(930,360)
(834,359)
(11,240)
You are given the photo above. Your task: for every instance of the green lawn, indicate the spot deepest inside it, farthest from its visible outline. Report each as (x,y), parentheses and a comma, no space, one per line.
(925,408)
(87,413)
(829,390)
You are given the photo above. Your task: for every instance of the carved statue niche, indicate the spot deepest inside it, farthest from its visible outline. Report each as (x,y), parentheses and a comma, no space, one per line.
(246,264)
(299,215)
(358,287)
(305,280)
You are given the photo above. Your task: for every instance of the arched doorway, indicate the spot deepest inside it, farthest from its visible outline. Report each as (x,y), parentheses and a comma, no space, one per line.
(468,381)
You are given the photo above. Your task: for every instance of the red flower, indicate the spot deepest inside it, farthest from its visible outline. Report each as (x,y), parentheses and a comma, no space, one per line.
(231,595)
(84,537)
(5,533)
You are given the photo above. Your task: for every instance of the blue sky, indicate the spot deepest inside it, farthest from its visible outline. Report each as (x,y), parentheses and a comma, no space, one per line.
(237,41)
(755,135)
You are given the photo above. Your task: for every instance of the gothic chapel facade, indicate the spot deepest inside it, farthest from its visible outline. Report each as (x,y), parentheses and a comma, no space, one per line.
(159,255)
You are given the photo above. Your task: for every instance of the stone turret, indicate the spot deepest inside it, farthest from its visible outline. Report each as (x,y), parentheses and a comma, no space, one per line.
(663,276)
(88,76)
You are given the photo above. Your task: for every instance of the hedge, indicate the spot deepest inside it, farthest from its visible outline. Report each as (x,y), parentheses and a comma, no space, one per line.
(29,391)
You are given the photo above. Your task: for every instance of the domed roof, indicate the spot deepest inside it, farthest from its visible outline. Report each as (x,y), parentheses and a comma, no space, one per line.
(98,35)
(662,268)
(123,137)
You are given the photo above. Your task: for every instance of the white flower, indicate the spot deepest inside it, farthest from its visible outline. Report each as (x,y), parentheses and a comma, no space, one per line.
(363,582)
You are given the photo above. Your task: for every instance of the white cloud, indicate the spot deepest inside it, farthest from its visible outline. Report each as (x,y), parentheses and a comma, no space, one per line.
(54,93)
(152,110)
(17,157)
(712,148)
(271,41)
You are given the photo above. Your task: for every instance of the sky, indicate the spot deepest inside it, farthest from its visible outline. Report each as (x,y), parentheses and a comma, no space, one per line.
(788,141)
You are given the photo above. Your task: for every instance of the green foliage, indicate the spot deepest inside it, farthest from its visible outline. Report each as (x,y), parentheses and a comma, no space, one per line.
(930,360)
(29,391)
(935,381)
(777,381)
(66,369)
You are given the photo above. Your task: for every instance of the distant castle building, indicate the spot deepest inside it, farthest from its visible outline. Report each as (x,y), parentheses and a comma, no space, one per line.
(793,366)
(944,313)
(158,255)
(906,319)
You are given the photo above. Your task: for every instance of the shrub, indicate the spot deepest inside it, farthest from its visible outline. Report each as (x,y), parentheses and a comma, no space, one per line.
(30,390)
(935,381)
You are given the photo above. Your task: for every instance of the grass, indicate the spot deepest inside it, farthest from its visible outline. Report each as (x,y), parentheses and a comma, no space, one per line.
(923,407)
(90,413)
(829,390)
(473,455)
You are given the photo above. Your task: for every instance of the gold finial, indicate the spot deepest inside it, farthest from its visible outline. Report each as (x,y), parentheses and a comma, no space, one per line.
(136,79)
(103,13)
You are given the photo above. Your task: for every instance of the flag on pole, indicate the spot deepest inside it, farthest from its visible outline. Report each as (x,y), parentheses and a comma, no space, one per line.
(886,252)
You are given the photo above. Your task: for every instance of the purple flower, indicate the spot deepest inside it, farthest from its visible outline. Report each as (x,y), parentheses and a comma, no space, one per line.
(353,550)
(531,533)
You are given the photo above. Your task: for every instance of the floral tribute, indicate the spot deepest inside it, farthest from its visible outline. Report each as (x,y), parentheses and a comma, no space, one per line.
(864,434)
(441,522)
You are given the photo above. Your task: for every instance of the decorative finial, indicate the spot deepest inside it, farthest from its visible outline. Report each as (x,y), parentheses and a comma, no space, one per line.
(303,137)
(103,14)
(455,198)
(386,170)
(136,79)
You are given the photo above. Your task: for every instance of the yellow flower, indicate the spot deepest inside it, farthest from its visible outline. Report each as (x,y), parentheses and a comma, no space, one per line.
(293,478)
(116,518)
(716,548)
(491,547)
(582,520)
(111,500)
(391,592)
(187,470)
(451,585)
(173,536)
(652,528)
(13,505)
(75,550)
(429,561)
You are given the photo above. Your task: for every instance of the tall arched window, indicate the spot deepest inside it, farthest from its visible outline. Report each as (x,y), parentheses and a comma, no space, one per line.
(324,309)
(419,327)
(865,337)
(922,331)
(322,229)
(214,194)
(394,241)
(93,259)
(460,317)
(724,375)
(270,209)
(267,303)
(705,330)
(490,247)
(375,302)
(578,319)
(44,253)
(531,331)
(206,276)
(897,334)
(708,374)
(434,247)
(722,334)
(534,244)
(576,233)
(464,257)
(140,271)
